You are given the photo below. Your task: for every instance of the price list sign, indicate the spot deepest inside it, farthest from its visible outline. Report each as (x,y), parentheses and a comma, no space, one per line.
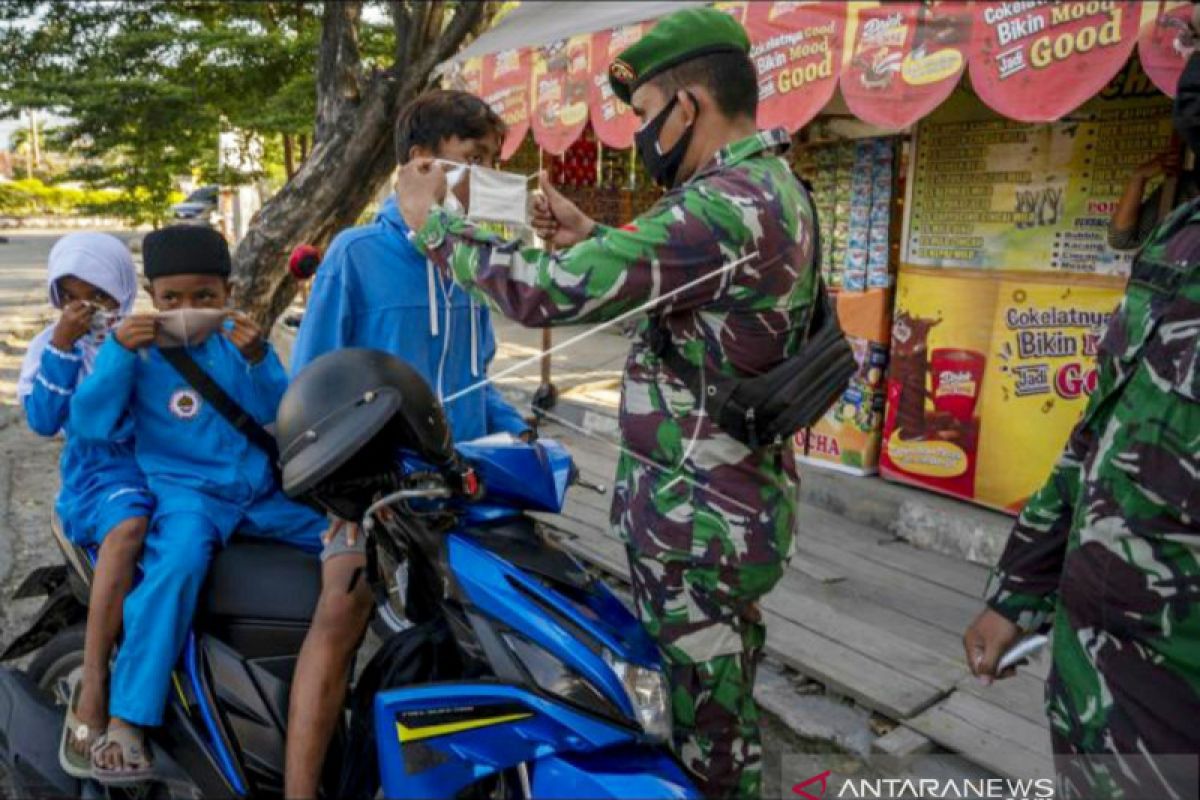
(991,193)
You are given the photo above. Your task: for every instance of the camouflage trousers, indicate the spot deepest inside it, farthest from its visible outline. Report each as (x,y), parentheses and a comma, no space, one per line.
(708,624)
(1124,709)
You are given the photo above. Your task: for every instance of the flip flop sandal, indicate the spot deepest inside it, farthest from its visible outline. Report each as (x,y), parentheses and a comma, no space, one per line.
(77,765)
(136,755)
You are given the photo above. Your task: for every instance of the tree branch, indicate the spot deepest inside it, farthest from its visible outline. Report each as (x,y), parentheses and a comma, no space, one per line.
(467,19)
(339,61)
(416,30)
(401,24)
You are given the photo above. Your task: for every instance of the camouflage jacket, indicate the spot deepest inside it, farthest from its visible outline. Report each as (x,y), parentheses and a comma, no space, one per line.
(685,490)
(1113,538)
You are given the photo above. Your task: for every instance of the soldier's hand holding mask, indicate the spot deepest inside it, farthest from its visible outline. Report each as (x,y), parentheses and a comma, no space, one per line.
(555,218)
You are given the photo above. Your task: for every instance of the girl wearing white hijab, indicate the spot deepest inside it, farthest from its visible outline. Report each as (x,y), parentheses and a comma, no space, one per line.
(104,503)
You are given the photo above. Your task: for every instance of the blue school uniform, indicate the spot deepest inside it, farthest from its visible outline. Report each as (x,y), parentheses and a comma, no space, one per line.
(374,289)
(208,480)
(101,484)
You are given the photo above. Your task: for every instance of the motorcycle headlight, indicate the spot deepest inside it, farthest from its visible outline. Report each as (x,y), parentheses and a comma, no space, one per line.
(557,678)
(648,694)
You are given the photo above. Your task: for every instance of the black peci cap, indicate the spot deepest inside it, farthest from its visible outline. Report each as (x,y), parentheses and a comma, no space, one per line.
(185,250)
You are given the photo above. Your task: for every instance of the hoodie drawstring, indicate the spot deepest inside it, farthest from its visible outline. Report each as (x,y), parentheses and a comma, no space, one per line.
(474,340)
(433,303)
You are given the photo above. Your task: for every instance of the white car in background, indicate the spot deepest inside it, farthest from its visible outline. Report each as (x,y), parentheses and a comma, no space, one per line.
(200,207)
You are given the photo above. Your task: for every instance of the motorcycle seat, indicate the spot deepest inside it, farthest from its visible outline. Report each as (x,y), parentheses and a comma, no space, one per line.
(260,597)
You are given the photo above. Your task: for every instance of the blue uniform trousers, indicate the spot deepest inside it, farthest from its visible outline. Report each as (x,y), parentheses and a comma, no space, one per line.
(186,531)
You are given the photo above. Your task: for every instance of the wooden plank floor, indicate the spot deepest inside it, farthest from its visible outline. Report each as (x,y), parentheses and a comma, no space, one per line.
(868,615)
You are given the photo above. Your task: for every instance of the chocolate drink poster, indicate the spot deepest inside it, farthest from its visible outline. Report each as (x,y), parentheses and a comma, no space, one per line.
(988,375)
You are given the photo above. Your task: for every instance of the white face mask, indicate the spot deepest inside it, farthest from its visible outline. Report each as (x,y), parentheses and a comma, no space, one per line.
(188,327)
(499,197)
(454,176)
(496,196)
(104,321)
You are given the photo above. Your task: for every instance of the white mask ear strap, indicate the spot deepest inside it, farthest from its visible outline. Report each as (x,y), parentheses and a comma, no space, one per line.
(433,303)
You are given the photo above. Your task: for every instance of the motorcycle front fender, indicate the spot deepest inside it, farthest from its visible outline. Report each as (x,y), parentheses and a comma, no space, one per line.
(436,739)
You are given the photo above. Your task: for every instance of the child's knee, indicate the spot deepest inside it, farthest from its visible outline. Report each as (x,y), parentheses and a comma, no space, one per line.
(343,611)
(128,537)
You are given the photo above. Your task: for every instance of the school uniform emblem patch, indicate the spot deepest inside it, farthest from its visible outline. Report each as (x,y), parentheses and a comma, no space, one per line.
(185,404)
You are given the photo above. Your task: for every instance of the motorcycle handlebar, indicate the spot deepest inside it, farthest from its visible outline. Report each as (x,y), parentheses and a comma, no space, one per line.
(427,493)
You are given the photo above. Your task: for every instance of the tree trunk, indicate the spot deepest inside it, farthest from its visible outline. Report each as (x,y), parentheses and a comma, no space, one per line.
(338,63)
(289,157)
(303,147)
(36,138)
(352,152)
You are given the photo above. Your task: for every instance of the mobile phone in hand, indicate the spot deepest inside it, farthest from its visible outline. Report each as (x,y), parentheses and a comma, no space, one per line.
(1022,651)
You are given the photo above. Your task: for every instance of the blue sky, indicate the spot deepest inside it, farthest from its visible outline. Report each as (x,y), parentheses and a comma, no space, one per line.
(7,126)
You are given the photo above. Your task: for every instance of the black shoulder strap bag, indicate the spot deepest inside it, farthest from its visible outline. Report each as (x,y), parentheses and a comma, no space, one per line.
(226,406)
(769,408)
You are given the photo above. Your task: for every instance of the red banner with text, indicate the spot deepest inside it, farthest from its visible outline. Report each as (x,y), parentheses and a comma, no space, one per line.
(505,87)
(561,74)
(612,119)
(797,50)
(906,59)
(1165,44)
(1037,64)
(1031,62)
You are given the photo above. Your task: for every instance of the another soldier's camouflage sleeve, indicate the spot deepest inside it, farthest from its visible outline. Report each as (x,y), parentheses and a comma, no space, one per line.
(611,272)
(1024,585)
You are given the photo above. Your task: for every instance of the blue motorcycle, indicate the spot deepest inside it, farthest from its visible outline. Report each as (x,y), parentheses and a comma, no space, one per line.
(510,671)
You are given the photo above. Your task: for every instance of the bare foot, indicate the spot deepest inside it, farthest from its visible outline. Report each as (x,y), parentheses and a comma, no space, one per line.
(92,709)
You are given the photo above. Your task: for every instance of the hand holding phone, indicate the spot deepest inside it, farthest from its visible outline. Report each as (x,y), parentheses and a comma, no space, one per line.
(1021,652)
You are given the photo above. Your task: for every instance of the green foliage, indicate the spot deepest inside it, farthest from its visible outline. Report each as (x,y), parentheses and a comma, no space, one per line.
(148,85)
(31,197)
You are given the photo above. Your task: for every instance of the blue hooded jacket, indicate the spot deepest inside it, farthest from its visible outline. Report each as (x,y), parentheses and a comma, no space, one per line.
(374,289)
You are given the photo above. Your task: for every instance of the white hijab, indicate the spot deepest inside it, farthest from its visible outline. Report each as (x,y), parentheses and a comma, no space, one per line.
(103,261)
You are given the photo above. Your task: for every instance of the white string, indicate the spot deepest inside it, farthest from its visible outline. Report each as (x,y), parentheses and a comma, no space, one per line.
(622,449)
(592,331)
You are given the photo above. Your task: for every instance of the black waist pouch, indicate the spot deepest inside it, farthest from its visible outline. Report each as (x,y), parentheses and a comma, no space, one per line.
(770,408)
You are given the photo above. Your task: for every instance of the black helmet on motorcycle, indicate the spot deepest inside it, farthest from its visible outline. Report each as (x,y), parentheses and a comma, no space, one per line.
(356,401)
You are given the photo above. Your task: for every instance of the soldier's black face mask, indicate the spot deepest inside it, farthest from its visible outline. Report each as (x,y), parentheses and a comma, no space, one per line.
(1187,104)
(663,167)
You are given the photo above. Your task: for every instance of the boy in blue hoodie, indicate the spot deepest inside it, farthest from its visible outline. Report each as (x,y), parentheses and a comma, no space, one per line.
(207,478)
(374,289)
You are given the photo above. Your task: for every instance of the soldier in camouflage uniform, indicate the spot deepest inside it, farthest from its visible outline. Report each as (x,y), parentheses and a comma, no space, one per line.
(708,522)
(1109,548)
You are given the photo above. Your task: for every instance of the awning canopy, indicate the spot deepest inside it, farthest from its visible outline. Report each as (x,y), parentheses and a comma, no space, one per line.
(539,22)
(544,66)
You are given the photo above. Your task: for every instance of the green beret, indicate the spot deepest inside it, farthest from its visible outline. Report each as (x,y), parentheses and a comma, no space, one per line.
(678,37)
